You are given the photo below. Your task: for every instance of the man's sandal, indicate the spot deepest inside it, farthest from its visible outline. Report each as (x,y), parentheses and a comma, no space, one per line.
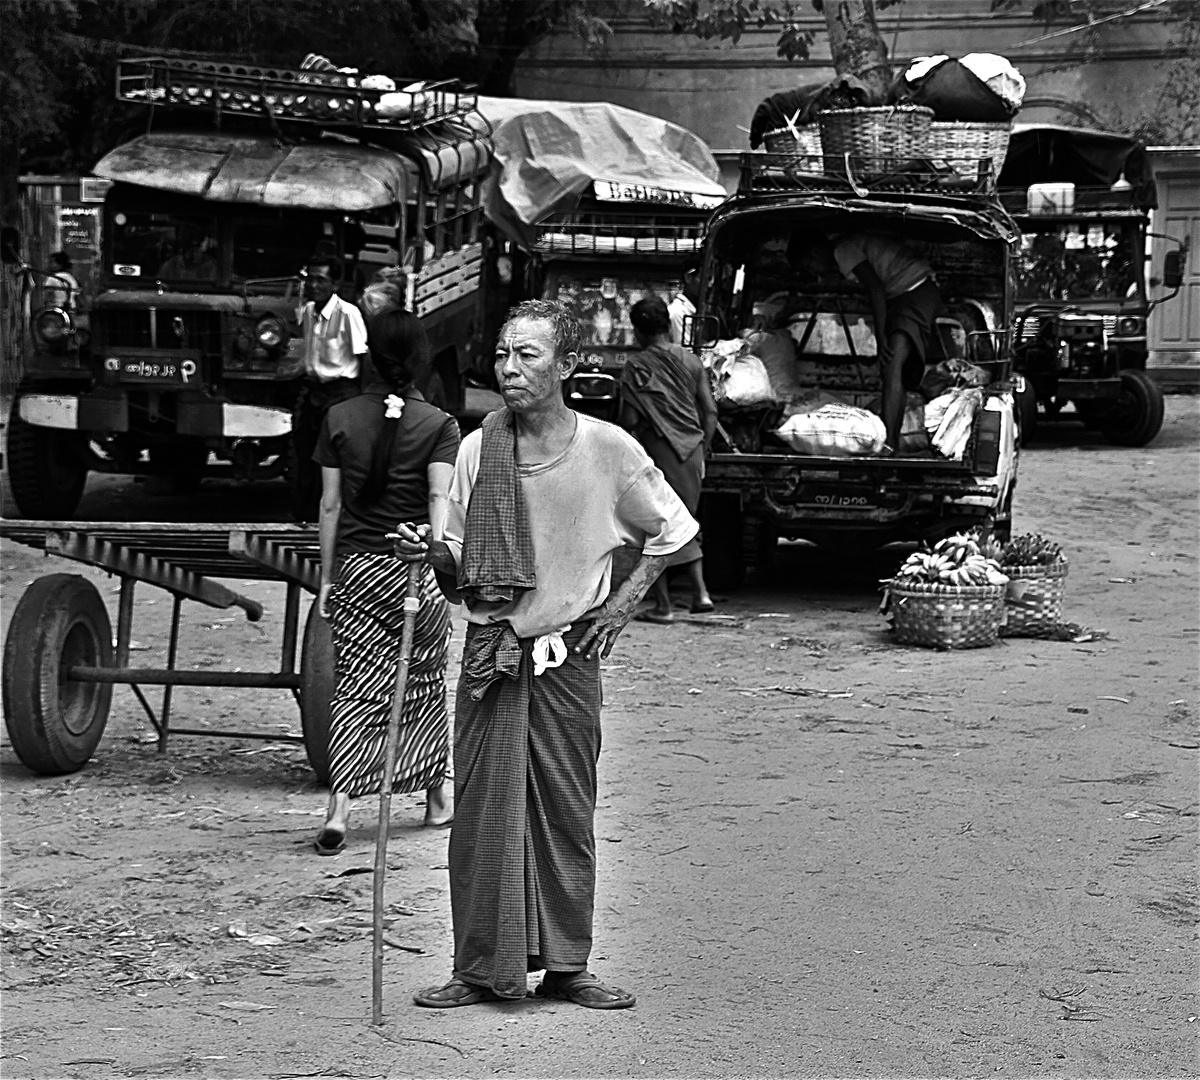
(454,995)
(583,988)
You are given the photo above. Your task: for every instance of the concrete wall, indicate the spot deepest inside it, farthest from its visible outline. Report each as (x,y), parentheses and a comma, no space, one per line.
(713,87)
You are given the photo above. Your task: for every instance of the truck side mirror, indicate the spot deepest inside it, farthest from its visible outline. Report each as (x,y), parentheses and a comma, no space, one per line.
(1172,270)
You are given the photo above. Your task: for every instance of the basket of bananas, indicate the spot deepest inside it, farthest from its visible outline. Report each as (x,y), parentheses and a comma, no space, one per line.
(1037,568)
(950,597)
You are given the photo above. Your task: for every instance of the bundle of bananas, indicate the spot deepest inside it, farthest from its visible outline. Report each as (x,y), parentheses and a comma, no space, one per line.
(1032,549)
(957,560)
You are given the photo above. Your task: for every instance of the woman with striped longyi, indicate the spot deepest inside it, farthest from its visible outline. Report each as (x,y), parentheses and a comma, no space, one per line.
(386,456)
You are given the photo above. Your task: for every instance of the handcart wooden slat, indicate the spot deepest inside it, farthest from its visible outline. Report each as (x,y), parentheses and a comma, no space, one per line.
(61,660)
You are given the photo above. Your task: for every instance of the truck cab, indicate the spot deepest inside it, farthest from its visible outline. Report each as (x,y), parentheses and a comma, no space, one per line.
(1083,201)
(758,488)
(195,359)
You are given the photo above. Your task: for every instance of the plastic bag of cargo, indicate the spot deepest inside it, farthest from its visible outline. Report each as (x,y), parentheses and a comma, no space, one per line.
(949,419)
(913,436)
(834,431)
(744,381)
(777,351)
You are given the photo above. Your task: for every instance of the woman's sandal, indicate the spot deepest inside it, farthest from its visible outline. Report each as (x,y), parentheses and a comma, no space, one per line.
(455,994)
(583,988)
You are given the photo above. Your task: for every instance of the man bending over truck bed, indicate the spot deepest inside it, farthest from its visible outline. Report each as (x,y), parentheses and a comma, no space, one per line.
(904,301)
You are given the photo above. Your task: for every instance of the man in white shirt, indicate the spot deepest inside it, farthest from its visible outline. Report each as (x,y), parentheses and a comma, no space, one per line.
(335,344)
(542,497)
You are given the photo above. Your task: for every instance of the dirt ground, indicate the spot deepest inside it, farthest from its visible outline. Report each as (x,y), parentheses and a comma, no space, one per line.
(912,864)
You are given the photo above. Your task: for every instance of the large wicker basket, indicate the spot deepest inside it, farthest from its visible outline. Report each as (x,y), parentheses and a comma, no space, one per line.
(879,139)
(963,144)
(1035,599)
(801,144)
(946,616)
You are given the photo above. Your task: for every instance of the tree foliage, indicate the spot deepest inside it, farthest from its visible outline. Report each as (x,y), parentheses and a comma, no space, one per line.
(59,59)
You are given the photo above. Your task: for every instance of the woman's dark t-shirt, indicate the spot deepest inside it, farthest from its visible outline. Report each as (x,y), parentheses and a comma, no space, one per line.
(424,435)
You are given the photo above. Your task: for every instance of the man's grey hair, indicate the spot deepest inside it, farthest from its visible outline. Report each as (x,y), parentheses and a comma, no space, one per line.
(379,295)
(565,328)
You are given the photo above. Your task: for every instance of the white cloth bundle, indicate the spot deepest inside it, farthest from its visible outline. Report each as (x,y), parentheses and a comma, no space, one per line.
(949,419)
(834,431)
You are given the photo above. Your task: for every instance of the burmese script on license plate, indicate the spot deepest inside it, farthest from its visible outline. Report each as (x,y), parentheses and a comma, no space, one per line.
(812,495)
(145,369)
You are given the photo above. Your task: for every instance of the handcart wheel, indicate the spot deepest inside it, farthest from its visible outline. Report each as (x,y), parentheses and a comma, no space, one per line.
(55,723)
(317,680)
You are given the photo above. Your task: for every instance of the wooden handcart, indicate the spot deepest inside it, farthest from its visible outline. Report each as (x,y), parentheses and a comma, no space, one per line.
(61,660)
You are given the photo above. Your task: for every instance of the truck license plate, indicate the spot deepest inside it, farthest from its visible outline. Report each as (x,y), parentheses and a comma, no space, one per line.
(832,497)
(154,370)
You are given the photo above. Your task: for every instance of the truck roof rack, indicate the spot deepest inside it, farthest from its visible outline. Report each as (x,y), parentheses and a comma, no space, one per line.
(862,176)
(328,98)
(1086,201)
(601,233)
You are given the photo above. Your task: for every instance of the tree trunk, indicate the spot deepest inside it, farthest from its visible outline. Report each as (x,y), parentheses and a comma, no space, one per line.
(857,47)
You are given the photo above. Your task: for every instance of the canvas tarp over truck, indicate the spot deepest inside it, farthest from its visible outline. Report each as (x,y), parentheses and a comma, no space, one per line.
(547,154)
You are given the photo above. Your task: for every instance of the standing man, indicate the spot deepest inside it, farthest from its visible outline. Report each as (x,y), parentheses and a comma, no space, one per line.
(335,343)
(667,403)
(904,301)
(541,498)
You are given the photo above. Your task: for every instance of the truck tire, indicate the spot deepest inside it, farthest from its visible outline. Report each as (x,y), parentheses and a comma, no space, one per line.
(1027,413)
(46,469)
(304,483)
(55,724)
(759,542)
(721,524)
(1137,415)
(183,463)
(317,681)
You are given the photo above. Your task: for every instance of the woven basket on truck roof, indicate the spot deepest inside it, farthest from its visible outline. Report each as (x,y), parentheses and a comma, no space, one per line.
(1035,599)
(964,144)
(801,145)
(946,616)
(876,137)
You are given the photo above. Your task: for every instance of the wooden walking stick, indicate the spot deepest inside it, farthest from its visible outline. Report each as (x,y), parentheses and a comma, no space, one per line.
(412,604)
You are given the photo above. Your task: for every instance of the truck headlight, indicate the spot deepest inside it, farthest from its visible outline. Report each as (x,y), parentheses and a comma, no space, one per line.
(1130,325)
(270,332)
(53,326)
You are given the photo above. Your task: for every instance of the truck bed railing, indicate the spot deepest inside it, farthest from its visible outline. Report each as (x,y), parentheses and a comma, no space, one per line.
(863,176)
(314,97)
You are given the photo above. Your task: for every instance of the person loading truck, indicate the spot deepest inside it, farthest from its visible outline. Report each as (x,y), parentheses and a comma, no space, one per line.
(904,301)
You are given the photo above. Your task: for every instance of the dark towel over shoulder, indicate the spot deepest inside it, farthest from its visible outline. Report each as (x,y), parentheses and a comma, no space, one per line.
(497,554)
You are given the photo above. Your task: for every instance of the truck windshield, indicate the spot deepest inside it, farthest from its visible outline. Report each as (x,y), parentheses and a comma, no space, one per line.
(279,244)
(1077,261)
(164,246)
(602,301)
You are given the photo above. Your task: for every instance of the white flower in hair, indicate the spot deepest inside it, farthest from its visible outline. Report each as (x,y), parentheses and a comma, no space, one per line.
(395,407)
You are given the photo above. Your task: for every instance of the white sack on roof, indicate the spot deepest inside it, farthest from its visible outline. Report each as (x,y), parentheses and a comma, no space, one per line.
(548,153)
(1004,80)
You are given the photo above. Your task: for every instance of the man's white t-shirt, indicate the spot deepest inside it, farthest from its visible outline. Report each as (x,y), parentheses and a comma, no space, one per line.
(600,493)
(333,339)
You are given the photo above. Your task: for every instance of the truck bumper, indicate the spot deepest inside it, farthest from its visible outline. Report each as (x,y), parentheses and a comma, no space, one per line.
(1089,389)
(108,414)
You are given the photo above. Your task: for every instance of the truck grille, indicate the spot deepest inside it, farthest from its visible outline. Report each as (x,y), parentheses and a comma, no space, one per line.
(157,328)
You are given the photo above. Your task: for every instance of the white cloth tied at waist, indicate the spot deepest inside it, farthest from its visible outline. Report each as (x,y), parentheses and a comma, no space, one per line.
(549,650)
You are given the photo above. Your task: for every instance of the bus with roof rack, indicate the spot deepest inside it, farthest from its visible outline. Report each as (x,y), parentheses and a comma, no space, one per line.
(598,206)
(193,359)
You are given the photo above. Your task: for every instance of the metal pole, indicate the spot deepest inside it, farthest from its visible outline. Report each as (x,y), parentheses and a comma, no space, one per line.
(172,651)
(412,604)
